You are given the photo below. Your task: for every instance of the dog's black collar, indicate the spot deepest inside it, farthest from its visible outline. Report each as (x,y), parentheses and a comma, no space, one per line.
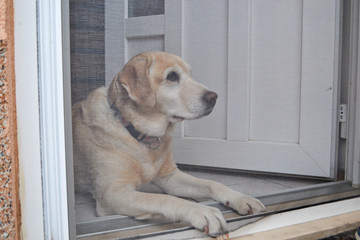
(150,141)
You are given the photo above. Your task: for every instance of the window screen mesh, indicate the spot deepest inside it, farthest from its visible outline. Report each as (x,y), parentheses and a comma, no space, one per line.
(99,48)
(87,39)
(104,35)
(138,8)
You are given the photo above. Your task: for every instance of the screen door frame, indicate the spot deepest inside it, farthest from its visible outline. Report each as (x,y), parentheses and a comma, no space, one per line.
(52,76)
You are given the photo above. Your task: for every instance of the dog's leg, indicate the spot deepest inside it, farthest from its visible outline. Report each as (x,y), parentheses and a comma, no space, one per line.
(181,184)
(138,204)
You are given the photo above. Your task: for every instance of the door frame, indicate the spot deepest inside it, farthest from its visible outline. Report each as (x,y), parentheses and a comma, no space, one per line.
(27,107)
(53,24)
(353,131)
(42,54)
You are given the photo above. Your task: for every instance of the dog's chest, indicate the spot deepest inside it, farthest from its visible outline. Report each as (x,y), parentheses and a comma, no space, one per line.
(149,171)
(151,162)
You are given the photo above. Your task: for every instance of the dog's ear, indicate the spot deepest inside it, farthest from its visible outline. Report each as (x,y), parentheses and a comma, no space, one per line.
(135,78)
(114,90)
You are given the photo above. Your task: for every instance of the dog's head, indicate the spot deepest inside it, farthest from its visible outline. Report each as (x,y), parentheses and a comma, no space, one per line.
(162,81)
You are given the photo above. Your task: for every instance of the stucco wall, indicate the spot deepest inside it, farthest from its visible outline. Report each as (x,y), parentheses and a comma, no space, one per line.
(9,201)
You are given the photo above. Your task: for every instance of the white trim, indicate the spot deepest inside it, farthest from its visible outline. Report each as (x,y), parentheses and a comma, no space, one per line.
(174,32)
(51,88)
(68,116)
(114,38)
(334,141)
(174,37)
(27,105)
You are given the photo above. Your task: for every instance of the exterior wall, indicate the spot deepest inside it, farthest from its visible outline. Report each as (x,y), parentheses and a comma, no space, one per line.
(9,194)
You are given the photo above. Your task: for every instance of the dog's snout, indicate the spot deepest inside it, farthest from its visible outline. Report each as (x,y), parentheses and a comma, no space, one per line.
(210,98)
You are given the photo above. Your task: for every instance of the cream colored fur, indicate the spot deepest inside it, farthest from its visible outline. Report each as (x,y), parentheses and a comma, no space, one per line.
(112,165)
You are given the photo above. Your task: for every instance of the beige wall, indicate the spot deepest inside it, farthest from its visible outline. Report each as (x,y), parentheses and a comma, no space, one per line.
(9,198)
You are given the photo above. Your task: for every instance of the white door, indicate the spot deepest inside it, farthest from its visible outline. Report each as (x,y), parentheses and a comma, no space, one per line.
(274,65)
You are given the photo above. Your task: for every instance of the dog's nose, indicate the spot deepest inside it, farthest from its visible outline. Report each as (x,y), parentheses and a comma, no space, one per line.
(210,98)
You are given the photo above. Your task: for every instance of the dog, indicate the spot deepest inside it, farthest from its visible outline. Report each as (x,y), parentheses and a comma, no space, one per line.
(122,140)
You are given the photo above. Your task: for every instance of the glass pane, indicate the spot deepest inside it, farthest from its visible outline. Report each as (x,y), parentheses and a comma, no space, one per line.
(138,8)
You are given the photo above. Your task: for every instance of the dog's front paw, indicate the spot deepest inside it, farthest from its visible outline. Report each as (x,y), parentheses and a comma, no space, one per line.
(245,205)
(207,219)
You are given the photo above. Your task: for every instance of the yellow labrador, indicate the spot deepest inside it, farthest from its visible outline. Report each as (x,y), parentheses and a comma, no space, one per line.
(122,141)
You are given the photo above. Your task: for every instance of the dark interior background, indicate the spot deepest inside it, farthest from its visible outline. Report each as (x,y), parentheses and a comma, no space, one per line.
(87,41)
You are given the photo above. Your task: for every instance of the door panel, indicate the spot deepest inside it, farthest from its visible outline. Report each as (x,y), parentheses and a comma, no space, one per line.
(206,51)
(238,80)
(275,70)
(137,45)
(276,74)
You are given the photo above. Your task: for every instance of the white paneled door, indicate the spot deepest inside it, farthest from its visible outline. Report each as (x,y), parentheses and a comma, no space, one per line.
(274,65)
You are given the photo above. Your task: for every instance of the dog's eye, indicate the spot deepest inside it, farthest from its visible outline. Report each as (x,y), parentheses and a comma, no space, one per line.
(173,76)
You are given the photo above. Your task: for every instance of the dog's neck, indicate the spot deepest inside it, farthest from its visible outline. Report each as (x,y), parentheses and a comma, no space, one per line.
(141,125)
